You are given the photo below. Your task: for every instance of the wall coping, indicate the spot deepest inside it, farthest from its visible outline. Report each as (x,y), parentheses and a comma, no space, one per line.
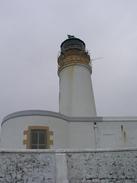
(63,151)
(67,118)
(49,113)
(119,118)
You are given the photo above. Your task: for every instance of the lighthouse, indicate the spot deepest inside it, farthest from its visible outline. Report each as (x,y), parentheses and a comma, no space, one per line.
(76,125)
(76,97)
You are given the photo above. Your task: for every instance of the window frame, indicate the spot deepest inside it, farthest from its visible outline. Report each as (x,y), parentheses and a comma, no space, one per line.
(44,128)
(38,139)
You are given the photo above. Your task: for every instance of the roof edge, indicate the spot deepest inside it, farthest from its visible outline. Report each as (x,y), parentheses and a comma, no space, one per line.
(49,113)
(68,118)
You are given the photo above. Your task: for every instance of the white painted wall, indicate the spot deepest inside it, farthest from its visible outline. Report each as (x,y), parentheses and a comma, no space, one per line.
(81,135)
(116,134)
(76,96)
(73,133)
(12,131)
(106,134)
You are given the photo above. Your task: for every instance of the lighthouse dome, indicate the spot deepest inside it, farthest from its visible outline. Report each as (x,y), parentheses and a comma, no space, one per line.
(72,43)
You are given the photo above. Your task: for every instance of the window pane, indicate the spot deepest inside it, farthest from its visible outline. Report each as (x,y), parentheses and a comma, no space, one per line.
(38,139)
(34,146)
(34,137)
(42,146)
(42,137)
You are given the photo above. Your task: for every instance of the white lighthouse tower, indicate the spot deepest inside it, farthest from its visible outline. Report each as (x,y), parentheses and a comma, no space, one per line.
(76,98)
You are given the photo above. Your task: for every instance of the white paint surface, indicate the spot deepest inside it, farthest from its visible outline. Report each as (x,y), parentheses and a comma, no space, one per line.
(76,96)
(12,131)
(73,133)
(61,168)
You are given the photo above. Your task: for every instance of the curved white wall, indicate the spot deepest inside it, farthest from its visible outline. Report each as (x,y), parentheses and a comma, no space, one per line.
(12,131)
(71,132)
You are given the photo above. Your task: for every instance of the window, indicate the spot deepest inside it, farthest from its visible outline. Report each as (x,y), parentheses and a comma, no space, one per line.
(38,139)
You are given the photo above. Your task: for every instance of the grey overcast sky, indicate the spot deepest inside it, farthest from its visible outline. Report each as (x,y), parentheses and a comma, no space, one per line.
(31,32)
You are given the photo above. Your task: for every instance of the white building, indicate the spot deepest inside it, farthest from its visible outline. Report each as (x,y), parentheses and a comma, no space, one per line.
(77,125)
